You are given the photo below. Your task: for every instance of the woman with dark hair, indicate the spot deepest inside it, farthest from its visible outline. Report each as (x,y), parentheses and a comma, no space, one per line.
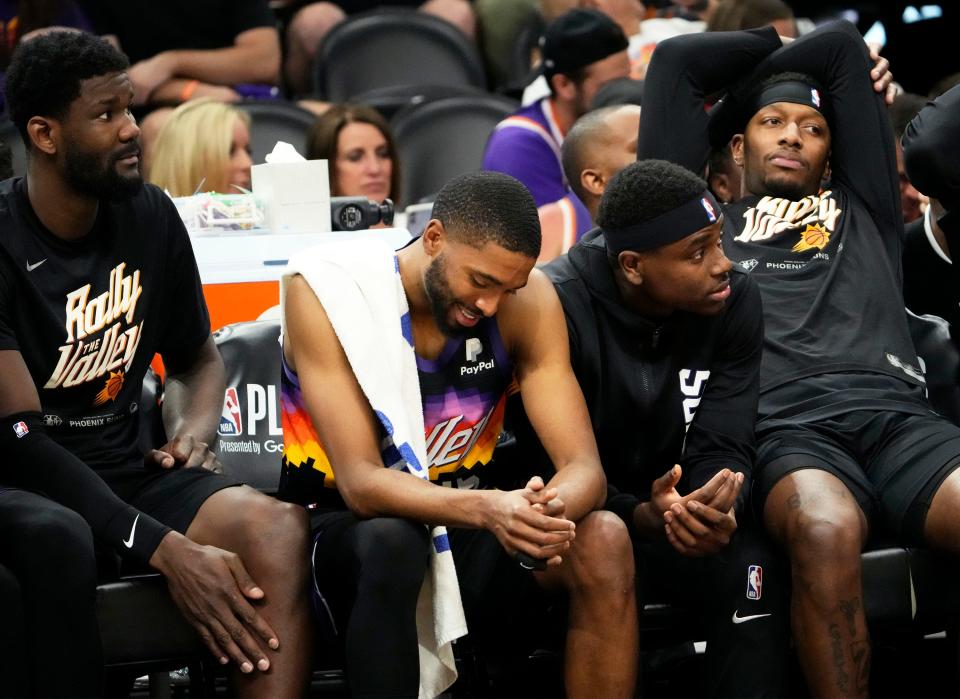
(357,143)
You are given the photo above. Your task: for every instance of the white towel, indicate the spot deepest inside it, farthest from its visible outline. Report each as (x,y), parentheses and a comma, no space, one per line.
(359,285)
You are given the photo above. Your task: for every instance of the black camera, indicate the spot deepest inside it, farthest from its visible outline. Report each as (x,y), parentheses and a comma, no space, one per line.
(358,213)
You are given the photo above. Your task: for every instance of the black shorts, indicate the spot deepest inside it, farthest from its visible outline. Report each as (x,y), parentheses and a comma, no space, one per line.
(172,497)
(493,585)
(893,463)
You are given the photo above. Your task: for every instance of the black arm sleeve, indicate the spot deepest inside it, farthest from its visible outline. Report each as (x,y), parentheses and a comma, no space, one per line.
(34,461)
(684,70)
(931,150)
(722,433)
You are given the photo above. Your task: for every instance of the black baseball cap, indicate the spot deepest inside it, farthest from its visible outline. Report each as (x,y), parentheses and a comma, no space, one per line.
(577,39)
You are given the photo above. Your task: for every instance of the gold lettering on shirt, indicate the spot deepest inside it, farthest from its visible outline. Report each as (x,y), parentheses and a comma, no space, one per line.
(101,335)
(774,215)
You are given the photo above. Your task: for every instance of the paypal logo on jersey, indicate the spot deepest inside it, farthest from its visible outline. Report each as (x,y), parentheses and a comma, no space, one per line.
(473,348)
(473,370)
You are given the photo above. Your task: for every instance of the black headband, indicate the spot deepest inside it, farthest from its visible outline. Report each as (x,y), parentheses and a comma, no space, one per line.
(788,91)
(668,227)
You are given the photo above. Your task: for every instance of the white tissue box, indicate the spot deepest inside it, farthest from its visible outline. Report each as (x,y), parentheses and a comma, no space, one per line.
(296,196)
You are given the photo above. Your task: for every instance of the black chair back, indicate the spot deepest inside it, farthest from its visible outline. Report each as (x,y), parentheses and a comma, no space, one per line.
(391,99)
(276,120)
(393,47)
(439,140)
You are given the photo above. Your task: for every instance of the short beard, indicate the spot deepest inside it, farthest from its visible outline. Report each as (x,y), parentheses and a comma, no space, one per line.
(791,191)
(86,175)
(441,298)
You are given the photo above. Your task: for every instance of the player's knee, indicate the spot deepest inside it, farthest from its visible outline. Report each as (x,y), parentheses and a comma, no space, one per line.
(311,24)
(66,543)
(825,543)
(602,555)
(277,533)
(394,554)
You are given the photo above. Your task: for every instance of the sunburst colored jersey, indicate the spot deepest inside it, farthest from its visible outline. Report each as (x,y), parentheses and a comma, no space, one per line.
(88,315)
(463,392)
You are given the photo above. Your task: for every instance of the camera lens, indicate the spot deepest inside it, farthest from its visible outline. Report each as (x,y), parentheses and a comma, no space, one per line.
(351,217)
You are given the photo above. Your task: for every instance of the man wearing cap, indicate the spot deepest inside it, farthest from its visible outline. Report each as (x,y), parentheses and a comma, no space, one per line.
(665,340)
(582,50)
(846,441)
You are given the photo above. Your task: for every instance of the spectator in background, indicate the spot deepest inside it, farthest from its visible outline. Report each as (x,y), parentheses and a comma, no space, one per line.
(904,108)
(582,50)
(312,23)
(734,15)
(357,143)
(203,144)
(222,49)
(599,145)
(644,34)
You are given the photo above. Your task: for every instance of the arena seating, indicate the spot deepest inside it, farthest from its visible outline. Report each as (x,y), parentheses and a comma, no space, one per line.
(277,120)
(457,128)
(393,47)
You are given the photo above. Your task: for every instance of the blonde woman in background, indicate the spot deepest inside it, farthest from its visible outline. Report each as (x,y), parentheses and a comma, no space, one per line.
(202,141)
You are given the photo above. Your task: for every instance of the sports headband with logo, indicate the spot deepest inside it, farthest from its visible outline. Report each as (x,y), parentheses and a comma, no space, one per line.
(668,227)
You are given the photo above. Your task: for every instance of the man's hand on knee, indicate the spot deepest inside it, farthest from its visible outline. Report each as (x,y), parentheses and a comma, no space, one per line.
(212,588)
(184,451)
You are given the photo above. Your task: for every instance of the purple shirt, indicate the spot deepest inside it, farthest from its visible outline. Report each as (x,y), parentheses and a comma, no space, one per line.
(526,145)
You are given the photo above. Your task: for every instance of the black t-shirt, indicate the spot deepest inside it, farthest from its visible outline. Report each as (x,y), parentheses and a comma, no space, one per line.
(828,267)
(148,27)
(89,315)
(928,285)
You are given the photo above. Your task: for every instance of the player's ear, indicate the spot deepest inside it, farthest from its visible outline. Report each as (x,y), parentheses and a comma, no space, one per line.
(631,264)
(433,236)
(43,134)
(736,149)
(592,181)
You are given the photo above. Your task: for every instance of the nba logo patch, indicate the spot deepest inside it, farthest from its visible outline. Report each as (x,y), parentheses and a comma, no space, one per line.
(815,97)
(231,424)
(21,430)
(754,582)
(708,207)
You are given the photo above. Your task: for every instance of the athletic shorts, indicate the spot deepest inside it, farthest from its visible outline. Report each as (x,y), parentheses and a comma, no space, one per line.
(172,497)
(493,585)
(893,463)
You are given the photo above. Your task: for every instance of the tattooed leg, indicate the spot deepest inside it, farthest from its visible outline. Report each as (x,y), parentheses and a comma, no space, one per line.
(812,514)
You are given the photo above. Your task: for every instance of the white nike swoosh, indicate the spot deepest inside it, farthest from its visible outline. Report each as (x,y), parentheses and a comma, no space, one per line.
(129,544)
(31,267)
(741,619)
